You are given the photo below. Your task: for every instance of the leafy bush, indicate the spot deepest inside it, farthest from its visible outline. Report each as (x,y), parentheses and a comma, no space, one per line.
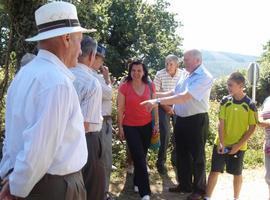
(263,88)
(253,156)
(213,121)
(219,89)
(149,34)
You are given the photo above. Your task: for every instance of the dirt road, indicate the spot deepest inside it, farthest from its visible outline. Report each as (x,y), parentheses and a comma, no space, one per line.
(254,187)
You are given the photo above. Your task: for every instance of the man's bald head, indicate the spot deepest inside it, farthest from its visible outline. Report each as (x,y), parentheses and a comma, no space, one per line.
(192,59)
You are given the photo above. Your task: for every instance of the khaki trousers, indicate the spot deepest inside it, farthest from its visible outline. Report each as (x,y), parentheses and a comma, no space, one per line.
(54,187)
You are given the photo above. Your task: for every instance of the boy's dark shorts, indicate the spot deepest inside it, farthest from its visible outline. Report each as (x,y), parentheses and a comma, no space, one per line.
(234,163)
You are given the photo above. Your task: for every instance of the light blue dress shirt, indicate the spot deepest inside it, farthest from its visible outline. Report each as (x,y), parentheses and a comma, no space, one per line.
(198,84)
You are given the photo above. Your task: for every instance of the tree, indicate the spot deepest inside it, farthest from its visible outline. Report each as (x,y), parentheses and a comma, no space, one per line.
(219,89)
(263,89)
(132,29)
(128,28)
(17,20)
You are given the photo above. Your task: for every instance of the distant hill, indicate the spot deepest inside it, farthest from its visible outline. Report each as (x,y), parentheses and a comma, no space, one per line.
(224,63)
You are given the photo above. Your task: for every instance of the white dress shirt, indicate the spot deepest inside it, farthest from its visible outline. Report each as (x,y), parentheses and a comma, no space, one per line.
(198,84)
(106,94)
(90,96)
(44,125)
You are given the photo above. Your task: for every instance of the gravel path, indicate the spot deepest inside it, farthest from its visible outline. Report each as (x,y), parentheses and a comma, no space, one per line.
(254,187)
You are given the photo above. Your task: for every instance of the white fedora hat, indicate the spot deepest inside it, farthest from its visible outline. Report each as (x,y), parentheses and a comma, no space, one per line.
(55,19)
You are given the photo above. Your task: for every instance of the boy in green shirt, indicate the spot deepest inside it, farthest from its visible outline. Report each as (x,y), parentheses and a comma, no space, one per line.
(237,122)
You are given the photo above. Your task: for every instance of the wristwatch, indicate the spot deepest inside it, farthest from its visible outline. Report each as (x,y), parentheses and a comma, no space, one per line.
(157,101)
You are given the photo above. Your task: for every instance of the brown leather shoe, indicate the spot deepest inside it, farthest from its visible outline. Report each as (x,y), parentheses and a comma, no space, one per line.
(195,196)
(178,189)
(108,196)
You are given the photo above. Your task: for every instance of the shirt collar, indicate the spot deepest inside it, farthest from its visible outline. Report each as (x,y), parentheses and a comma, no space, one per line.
(44,54)
(199,69)
(92,70)
(84,67)
(176,73)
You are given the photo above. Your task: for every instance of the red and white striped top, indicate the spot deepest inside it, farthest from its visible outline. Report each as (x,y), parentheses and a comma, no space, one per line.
(164,82)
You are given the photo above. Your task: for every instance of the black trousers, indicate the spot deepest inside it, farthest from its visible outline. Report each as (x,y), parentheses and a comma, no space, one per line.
(94,171)
(190,136)
(138,140)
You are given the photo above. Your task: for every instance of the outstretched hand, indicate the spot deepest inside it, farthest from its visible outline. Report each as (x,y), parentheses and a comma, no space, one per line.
(149,104)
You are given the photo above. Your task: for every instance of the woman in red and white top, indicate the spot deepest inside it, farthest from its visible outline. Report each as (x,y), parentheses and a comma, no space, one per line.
(135,122)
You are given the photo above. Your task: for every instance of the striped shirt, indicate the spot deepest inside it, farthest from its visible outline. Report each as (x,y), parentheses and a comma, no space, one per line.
(164,82)
(106,94)
(90,96)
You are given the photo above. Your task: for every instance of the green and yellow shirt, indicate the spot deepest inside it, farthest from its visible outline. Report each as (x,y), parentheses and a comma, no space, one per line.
(237,116)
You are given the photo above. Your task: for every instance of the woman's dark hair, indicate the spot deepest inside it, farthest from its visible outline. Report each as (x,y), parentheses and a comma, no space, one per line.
(130,66)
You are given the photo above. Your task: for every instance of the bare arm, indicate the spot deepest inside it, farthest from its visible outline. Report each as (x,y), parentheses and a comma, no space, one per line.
(106,74)
(175,99)
(156,115)
(264,123)
(221,136)
(164,94)
(167,108)
(121,109)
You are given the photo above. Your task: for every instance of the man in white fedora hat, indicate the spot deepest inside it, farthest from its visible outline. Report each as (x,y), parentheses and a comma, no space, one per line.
(45,147)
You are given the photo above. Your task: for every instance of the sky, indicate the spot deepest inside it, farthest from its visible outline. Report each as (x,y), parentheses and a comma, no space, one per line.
(237,26)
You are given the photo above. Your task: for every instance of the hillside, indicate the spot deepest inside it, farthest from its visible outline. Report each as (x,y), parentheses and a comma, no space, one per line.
(224,63)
